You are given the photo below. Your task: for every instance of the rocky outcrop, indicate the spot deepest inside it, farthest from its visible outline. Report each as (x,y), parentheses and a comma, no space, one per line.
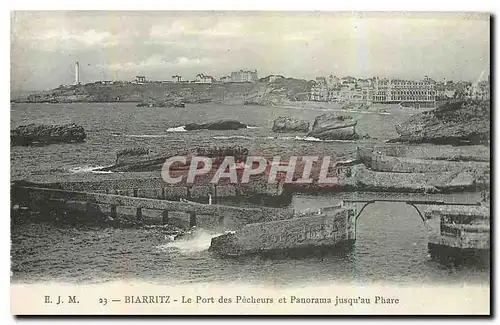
(458,122)
(216,125)
(287,124)
(130,161)
(40,134)
(334,127)
(145,160)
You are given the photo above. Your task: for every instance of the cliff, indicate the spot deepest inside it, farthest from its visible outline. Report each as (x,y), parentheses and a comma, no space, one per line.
(457,122)
(228,93)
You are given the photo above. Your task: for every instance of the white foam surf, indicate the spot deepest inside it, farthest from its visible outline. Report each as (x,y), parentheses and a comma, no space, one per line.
(198,243)
(181,128)
(89,169)
(313,139)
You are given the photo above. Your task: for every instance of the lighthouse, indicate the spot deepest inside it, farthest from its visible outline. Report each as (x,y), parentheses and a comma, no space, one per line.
(77,73)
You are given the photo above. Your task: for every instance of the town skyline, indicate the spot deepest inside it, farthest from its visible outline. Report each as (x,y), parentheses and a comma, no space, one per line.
(158,45)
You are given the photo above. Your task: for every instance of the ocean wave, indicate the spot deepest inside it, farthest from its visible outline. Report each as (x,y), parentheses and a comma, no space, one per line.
(302,138)
(313,139)
(253,127)
(199,243)
(89,169)
(181,128)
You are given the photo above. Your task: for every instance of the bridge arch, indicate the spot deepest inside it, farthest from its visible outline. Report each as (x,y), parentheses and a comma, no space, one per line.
(367,203)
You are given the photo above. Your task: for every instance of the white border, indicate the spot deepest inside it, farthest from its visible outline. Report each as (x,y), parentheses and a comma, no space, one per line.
(421,5)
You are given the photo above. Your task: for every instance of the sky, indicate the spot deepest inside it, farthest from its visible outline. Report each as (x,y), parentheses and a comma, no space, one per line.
(114,45)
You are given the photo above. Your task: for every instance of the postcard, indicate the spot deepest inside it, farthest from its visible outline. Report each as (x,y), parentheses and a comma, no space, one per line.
(250,163)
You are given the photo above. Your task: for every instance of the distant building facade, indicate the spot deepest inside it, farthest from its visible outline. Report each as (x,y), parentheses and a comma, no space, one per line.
(479,90)
(176,79)
(319,91)
(398,90)
(140,79)
(244,76)
(350,89)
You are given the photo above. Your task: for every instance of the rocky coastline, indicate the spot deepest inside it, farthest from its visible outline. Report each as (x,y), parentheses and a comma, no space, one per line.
(460,122)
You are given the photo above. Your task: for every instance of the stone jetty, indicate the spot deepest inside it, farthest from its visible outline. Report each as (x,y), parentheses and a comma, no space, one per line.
(327,229)
(216,125)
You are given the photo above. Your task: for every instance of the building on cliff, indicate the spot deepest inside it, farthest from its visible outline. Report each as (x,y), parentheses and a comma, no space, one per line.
(244,76)
(140,79)
(203,79)
(319,92)
(478,90)
(274,77)
(176,79)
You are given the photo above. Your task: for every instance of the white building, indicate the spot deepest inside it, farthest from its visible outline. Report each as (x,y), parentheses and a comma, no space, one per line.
(203,79)
(274,77)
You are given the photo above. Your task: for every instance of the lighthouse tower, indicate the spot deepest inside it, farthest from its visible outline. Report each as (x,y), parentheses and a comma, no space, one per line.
(77,73)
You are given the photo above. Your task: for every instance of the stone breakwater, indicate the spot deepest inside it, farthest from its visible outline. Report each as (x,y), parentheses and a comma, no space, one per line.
(330,229)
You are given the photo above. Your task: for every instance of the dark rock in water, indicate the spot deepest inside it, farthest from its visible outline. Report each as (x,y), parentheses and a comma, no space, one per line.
(216,125)
(356,106)
(334,127)
(287,124)
(137,160)
(145,160)
(47,134)
(459,122)
(327,120)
